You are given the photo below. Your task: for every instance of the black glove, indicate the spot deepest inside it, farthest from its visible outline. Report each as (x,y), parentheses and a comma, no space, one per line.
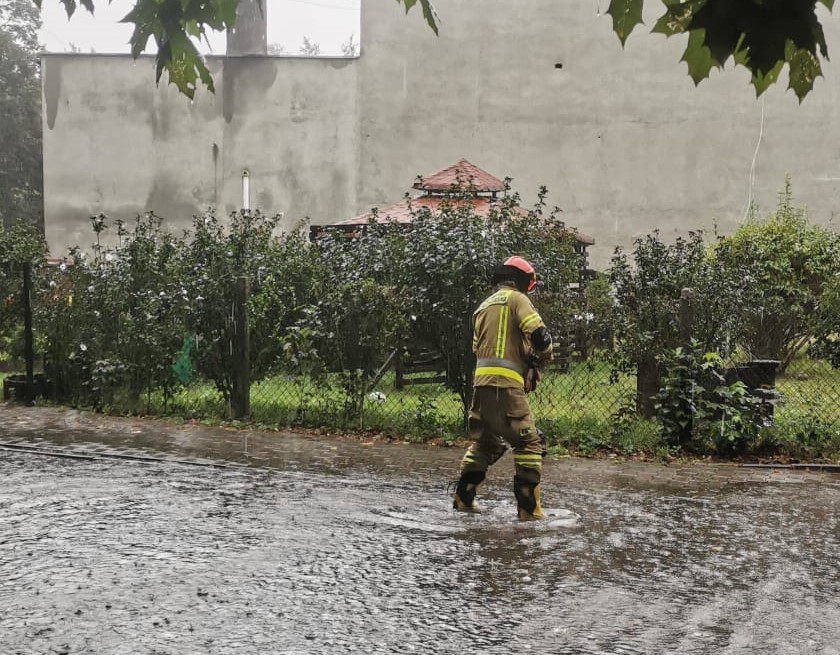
(532,379)
(533,376)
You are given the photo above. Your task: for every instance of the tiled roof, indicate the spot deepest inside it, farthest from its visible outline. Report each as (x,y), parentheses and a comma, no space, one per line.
(401,212)
(461,175)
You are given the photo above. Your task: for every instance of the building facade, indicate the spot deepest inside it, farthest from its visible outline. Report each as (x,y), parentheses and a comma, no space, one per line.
(622,139)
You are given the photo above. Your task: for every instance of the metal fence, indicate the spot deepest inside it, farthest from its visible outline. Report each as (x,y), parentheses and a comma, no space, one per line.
(581,399)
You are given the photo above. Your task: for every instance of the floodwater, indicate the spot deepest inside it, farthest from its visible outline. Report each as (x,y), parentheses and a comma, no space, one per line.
(316,545)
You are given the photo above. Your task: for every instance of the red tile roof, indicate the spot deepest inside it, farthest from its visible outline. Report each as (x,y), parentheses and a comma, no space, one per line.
(461,175)
(401,212)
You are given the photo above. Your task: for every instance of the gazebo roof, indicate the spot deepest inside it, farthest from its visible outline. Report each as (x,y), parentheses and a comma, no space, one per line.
(401,212)
(461,175)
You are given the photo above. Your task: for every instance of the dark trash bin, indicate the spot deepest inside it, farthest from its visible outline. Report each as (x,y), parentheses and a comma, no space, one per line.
(15,386)
(759,376)
(756,374)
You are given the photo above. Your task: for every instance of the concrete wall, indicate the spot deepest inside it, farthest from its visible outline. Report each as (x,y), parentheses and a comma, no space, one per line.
(622,139)
(115,143)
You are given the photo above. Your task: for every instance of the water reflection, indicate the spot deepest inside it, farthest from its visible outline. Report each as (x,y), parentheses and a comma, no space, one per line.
(116,556)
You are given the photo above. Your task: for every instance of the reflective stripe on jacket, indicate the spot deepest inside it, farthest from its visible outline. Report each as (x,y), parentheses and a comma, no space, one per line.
(503,324)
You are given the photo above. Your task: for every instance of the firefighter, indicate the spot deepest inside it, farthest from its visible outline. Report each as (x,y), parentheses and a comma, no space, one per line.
(511,343)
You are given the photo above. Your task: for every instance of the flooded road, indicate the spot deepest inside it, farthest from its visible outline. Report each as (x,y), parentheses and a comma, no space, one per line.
(152,538)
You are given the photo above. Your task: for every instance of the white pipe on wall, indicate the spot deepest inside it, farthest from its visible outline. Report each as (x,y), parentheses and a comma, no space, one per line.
(246,190)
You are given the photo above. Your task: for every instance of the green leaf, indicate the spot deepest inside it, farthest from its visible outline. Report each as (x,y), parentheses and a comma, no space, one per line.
(69,7)
(741,55)
(626,14)
(757,35)
(192,28)
(762,81)
(677,17)
(722,30)
(804,70)
(163,59)
(430,15)
(698,57)
(429,12)
(225,10)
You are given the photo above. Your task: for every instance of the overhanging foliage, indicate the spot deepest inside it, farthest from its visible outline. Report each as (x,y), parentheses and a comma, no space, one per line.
(176,25)
(760,35)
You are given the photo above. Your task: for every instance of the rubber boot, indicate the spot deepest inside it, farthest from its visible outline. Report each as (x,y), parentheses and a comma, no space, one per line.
(528,501)
(463,500)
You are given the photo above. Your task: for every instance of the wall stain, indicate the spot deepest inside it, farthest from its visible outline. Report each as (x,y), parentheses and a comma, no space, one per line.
(245,77)
(52,87)
(167,199)
(341,63)
(265,202)
(94,102)
(159,116)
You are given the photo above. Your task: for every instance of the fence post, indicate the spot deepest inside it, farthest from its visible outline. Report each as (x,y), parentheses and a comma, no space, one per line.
(686,432)
(241,393)
(686,315)
(648,373)
(28,349)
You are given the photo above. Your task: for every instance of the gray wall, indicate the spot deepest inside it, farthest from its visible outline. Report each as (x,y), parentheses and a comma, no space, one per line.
(622,139)
(115,143)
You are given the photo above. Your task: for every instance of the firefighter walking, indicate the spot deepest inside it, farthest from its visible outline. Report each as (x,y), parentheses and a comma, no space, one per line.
(511,343)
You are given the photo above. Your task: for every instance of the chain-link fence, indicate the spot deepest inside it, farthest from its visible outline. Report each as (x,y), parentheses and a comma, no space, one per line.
(582,402)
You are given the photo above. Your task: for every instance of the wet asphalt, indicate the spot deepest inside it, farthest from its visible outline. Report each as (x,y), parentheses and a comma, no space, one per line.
(140,537)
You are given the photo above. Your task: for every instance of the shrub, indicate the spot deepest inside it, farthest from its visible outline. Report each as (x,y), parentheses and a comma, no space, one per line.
(18,244)
(449,260)
(827,342)
(785,265)
(212,258)
(645,321)
(699,412)
(115,320)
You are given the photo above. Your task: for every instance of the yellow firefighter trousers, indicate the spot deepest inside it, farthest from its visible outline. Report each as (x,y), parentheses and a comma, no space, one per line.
(499,417)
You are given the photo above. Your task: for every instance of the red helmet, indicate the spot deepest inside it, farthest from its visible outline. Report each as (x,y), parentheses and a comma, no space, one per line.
(523,265)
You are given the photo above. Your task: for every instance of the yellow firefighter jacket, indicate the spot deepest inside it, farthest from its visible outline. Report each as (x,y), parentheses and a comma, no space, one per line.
(503,324)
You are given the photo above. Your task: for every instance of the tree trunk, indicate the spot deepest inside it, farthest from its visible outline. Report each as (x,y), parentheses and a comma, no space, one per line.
(647,384)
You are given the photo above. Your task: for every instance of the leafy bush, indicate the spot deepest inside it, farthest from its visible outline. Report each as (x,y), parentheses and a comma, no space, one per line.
(699,411)
(286,286)
(646,316)
(809,437)
(827,342)
(113,322)
(214,255)
(416,284)
(18,244)
(134,325)
(785,264)
(446,268)
(153,311)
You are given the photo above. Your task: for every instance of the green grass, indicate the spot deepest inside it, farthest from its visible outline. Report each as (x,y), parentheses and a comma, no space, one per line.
(572,408)
(580,411)
(810,387)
